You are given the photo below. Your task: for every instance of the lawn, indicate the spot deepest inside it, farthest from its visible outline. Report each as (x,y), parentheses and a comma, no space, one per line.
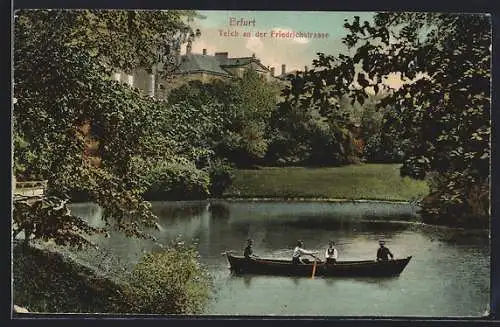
(363,181)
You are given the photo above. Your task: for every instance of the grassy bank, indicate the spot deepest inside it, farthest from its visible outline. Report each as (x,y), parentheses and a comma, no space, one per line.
(363,181)
(52,279)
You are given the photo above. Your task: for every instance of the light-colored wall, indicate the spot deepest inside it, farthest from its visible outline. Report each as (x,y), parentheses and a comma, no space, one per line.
(138,78)
(236,71)
(141,80)
(239,71)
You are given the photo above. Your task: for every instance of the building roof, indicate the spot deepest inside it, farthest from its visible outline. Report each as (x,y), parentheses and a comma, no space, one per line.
(242,61)
(193,62)
(237,61)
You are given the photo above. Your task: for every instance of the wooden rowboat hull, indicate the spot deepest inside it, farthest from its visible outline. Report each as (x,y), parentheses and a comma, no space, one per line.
(365,268)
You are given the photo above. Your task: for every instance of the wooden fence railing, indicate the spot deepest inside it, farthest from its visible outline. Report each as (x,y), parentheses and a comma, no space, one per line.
(30,189)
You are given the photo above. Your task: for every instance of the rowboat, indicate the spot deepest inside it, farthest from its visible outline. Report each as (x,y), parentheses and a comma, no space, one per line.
(365,268)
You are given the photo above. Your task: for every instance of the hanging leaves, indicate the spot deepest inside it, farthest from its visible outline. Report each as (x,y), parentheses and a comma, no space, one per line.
(66,101)
(444,63)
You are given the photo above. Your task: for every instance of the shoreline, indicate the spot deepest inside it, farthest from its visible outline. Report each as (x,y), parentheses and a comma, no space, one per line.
(326,200)
(427,225)
(312,199)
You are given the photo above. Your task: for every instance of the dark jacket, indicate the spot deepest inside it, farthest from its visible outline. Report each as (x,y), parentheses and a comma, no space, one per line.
(248,251)
(383,254)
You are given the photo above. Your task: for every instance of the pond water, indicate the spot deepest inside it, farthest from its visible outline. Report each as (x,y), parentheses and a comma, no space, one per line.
(449,274)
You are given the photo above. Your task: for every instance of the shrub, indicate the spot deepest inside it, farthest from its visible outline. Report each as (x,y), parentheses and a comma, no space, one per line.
(456,200)
(221,177)
(173,179)
(48,281)
(383,149)
(169,281)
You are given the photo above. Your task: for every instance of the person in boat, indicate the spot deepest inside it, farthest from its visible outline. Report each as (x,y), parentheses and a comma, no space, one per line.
(383,253)
(299,250)
(331,253)
(248,253)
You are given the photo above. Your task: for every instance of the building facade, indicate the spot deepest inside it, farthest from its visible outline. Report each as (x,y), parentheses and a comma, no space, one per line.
(196,66)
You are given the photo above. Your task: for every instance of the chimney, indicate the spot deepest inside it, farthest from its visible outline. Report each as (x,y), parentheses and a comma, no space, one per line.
(272,71)
(188,48)
(204,52)
(305,68)
(221,56)
(283,69)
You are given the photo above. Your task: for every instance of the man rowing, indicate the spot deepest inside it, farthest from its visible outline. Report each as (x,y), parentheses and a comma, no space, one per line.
(299,250)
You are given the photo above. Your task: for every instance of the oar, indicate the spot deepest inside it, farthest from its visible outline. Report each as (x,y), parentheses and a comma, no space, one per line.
(226,252)
(314,269)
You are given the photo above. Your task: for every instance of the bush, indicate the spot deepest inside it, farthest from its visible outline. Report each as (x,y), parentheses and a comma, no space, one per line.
(287,151)
(47,281)
(179,183)
(383,149)
(221,177)
(174,179)
(169,281)
(457,201)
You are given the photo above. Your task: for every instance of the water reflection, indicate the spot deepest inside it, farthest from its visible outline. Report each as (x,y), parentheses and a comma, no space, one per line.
(219,211)
(451,263)
(179,209)
(247,280)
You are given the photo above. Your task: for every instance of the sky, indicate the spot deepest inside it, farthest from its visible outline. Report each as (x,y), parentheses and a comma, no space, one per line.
(273,52)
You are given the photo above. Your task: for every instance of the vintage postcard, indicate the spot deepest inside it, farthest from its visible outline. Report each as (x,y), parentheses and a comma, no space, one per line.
(251,163)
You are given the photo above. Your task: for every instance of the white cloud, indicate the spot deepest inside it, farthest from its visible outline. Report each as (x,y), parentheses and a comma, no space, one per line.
(199,45)
(255,45)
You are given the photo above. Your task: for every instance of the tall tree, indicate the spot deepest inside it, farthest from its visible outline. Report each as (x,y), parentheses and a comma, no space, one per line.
(444,62)
(310,126)
(229,115)
(63,60)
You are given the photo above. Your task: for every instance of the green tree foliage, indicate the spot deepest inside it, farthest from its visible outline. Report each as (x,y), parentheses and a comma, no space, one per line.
(254,101)
(309,126)
(122,39)
(62,63)
(444,104)
(49,282)
(383,129)
(50,219)
(169,281)
(230,117)
(221,177)
(174,178)
(289,135)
